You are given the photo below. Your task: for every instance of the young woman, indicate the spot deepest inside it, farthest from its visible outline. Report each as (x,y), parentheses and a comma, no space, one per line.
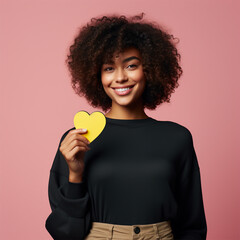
(140,178)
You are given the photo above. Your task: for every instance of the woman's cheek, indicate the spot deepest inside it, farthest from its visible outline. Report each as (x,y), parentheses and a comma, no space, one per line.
(136,76)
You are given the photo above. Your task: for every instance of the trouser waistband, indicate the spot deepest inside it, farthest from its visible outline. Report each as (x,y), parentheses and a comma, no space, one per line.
(137,231)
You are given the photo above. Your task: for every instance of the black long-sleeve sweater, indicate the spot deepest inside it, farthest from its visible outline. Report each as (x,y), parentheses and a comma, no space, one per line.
(138,171)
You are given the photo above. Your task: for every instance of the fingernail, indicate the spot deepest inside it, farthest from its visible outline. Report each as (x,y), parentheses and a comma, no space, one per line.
(84,129)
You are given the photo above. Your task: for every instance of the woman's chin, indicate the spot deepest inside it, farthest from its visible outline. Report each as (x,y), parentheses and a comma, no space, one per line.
(125,103)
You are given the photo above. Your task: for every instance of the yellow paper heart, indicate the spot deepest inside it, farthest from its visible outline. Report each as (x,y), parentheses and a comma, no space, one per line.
(94,123)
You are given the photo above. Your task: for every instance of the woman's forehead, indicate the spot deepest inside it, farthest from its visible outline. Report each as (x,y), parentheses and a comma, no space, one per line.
(121,55)
(126,53)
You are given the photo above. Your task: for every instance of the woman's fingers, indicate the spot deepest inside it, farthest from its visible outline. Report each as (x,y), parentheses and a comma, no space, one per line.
(74,142)
(77,142)
(70,154)
(73,132)
(72,135)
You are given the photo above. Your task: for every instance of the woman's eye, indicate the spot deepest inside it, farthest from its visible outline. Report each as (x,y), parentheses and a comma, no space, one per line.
(107,69)
(132,66)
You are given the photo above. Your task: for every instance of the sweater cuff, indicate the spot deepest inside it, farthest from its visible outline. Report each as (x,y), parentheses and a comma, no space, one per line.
(74,190)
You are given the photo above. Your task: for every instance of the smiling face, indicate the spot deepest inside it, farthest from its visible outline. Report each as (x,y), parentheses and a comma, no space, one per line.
(123,80)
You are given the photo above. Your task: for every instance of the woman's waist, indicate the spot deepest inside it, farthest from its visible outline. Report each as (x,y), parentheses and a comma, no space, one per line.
(160,226)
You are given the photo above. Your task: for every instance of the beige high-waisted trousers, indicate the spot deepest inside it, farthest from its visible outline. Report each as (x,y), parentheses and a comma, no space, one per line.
(106,231)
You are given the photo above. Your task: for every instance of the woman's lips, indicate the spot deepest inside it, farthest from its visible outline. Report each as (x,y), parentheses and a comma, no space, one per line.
(125,92)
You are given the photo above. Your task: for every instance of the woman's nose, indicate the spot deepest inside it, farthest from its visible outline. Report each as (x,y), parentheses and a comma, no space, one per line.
(121,75)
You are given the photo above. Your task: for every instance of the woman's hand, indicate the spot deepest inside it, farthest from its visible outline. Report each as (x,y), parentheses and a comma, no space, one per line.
(73,148)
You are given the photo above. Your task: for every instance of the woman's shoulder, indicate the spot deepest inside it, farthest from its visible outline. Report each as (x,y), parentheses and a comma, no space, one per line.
(173,127)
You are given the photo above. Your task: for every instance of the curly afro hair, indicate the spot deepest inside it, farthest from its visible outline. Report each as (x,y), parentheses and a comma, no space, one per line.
(98,40)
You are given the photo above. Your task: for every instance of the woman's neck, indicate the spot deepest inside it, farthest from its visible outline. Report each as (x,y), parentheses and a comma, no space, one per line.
(126,114)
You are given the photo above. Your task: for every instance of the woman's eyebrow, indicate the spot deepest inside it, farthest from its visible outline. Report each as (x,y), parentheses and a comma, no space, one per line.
(130,58)
(125,60)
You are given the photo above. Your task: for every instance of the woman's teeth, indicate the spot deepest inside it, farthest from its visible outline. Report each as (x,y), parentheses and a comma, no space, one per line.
(122,89)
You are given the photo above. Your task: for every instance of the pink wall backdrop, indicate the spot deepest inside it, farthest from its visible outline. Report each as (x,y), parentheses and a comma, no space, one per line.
(38,103)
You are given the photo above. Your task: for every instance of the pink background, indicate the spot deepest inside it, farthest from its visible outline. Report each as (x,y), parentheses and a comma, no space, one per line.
(38,103)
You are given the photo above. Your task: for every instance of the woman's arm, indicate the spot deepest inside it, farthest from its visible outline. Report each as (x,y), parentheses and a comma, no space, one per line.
(190,223)
(70,218)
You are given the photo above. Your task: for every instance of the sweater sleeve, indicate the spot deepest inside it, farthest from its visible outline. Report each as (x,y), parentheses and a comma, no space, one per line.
(70,218)
(190,223)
